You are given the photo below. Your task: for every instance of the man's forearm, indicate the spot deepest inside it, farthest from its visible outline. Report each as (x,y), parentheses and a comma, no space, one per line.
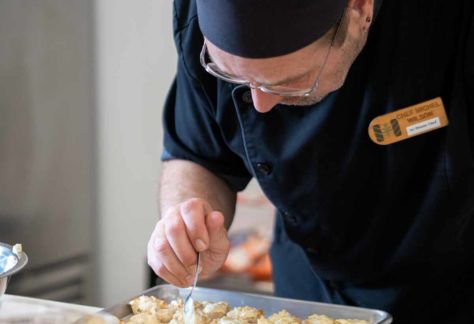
(182,180)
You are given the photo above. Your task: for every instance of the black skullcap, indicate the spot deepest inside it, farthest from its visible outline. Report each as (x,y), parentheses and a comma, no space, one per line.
(266,28)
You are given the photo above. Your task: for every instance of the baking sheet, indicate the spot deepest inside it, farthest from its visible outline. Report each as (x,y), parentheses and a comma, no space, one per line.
(268,304)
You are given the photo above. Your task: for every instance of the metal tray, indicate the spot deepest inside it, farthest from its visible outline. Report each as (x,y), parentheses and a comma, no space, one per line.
(268,304)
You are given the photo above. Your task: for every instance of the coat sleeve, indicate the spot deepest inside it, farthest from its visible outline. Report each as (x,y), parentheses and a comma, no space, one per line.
(191,131)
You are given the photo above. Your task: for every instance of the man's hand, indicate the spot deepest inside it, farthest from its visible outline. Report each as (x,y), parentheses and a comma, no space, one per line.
(190,227)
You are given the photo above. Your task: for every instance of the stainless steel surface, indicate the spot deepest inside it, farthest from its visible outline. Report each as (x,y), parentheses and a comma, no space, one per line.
(268,304)
(47,148)
(47,141)
(188,301)
(10,263)
(24,310)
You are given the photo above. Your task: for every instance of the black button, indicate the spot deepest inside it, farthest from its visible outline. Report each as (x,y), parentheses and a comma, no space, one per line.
(293,218)
(247,97)
(264,168)
(290,217)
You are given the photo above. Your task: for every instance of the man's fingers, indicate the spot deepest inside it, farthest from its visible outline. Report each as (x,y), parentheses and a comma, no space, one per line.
(162,272)
(164,259)
(194,213)
(176,233)
(185,229)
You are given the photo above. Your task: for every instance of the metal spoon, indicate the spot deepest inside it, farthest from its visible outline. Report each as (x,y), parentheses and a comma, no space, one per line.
(188,301)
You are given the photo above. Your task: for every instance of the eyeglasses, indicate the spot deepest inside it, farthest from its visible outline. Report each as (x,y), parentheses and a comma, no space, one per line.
(277,90)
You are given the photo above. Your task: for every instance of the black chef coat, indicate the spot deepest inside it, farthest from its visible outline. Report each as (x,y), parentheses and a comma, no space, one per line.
(389,227)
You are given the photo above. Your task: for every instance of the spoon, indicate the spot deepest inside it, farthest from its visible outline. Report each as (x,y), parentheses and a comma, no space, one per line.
(188,301)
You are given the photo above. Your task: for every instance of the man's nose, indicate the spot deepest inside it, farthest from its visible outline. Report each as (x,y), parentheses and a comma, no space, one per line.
(264,102)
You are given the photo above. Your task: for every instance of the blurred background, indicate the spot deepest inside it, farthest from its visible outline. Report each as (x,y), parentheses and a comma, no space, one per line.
(82,85)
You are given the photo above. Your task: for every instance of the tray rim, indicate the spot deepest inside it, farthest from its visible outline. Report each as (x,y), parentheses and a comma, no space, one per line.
(386,317)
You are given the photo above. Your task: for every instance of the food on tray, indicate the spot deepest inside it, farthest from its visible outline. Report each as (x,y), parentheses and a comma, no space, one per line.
(245,314)
(215,310)
(282,317)
(318,319)
(151,310)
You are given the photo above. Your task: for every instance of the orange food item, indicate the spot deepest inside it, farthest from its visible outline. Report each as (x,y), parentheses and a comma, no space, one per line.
(245,255)
(262,269)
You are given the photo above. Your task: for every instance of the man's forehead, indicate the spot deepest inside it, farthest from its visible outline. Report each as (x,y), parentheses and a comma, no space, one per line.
(217,54)
(266,28)
(284,68)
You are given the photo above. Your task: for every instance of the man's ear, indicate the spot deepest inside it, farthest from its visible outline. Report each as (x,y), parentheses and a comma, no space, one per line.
(361,12)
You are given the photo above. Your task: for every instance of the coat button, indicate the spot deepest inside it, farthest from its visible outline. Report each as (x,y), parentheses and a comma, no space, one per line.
(291,218)
(264,168)
(247,97)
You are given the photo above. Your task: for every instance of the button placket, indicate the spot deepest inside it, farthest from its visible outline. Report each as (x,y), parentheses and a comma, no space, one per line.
(261,169)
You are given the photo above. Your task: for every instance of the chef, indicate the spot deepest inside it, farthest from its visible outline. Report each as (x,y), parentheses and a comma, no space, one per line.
(356,117)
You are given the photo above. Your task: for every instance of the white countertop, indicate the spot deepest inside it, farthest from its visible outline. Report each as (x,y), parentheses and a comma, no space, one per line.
(11,305)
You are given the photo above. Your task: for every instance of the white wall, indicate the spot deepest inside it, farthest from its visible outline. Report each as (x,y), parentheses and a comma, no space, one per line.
(135,63)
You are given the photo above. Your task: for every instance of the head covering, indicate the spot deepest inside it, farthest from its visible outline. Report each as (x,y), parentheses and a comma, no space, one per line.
(266,28)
